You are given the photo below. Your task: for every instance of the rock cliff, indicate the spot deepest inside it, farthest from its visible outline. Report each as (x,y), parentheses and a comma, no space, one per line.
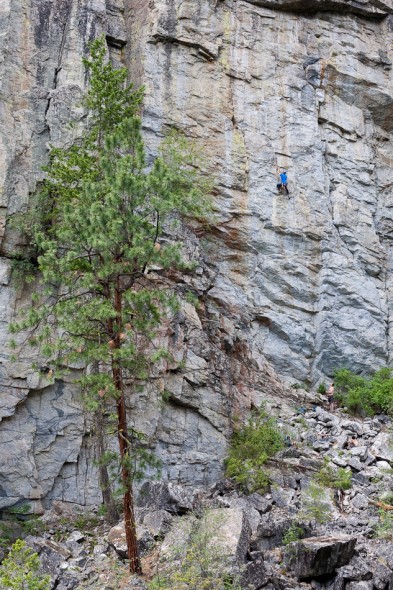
(290,288)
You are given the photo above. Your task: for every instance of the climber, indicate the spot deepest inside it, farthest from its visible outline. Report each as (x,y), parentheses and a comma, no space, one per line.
(283,184)
(330,397)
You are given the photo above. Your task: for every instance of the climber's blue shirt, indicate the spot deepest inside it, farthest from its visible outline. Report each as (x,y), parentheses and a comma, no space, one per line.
(284,178)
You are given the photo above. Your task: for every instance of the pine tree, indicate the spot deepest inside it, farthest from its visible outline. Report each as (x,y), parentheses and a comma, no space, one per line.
(96,226)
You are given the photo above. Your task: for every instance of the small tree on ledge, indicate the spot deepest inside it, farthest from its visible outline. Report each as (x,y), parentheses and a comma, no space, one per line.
(96,226)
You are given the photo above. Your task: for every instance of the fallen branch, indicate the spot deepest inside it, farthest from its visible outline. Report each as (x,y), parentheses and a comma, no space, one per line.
(381,505)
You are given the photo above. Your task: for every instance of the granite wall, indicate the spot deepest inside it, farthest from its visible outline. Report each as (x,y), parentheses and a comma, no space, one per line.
(290,288)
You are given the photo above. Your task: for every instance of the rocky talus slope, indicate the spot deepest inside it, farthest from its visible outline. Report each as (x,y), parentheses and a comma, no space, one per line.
(351,550)
(290,289)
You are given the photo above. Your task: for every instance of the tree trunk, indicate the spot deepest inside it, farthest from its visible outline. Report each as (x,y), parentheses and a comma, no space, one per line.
(126,477)
(112,514)
(124,446)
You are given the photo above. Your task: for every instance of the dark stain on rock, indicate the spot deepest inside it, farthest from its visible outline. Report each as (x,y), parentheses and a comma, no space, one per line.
(41,29)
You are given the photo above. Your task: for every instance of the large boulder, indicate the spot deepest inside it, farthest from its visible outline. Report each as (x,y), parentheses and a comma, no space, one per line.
(271,531)
(254,574)
(318,556)
(382,447)
(52,555)
(229,531)
(117,539)
(167,496)
(158,522)
(225,532)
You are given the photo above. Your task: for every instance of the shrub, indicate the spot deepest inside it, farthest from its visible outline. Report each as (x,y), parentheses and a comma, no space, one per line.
(330,477)
(365,396)
(314,505)
(250,448)
(294,533)
(384,528)
(20,570)
(387,497)
(322,388)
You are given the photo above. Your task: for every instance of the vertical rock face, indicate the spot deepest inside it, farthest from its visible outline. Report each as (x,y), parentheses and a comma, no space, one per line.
(261,88)
(46,453)
(298,286)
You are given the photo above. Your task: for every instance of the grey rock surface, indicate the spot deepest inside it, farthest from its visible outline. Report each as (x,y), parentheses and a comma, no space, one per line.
(291,288)
(167,496)
(318,556)
(382,447)
(373,8)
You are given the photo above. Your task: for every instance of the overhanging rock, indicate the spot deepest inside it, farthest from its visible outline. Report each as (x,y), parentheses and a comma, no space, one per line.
(318,556)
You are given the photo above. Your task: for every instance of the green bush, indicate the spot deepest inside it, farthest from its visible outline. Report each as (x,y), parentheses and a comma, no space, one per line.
(314,505)
(365,396)
(322,388)
(294,533)
(250,448)
(384,528)
(20,570)
(330,477)
(387,497)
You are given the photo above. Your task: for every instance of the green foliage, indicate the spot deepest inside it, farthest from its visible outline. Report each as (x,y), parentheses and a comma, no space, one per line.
(192,299)
(293,534)
(23,269)
(251,446)
(387,497)
(331,477)
(85,521)
(203,562)
(322,388)
(20,509)
(365,395)
(314,506)
(17,524)
(384,528)
(20,570)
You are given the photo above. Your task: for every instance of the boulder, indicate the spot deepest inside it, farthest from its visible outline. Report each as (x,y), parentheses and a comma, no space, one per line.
(260,503)
(68,583)
(177,540)
(355,463)
(357,570)
(254,575)
(229,532)
(271,530)
(365,585)
(382,447)
(224,531)
(352,426)
(52,555)
(360,501)
(318,556)
(383,466)
(253,516)
(282,498)
(117,539)
(383,576)
(158,522)
(75,543)
(386,554)
(167,496)
(360,452)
